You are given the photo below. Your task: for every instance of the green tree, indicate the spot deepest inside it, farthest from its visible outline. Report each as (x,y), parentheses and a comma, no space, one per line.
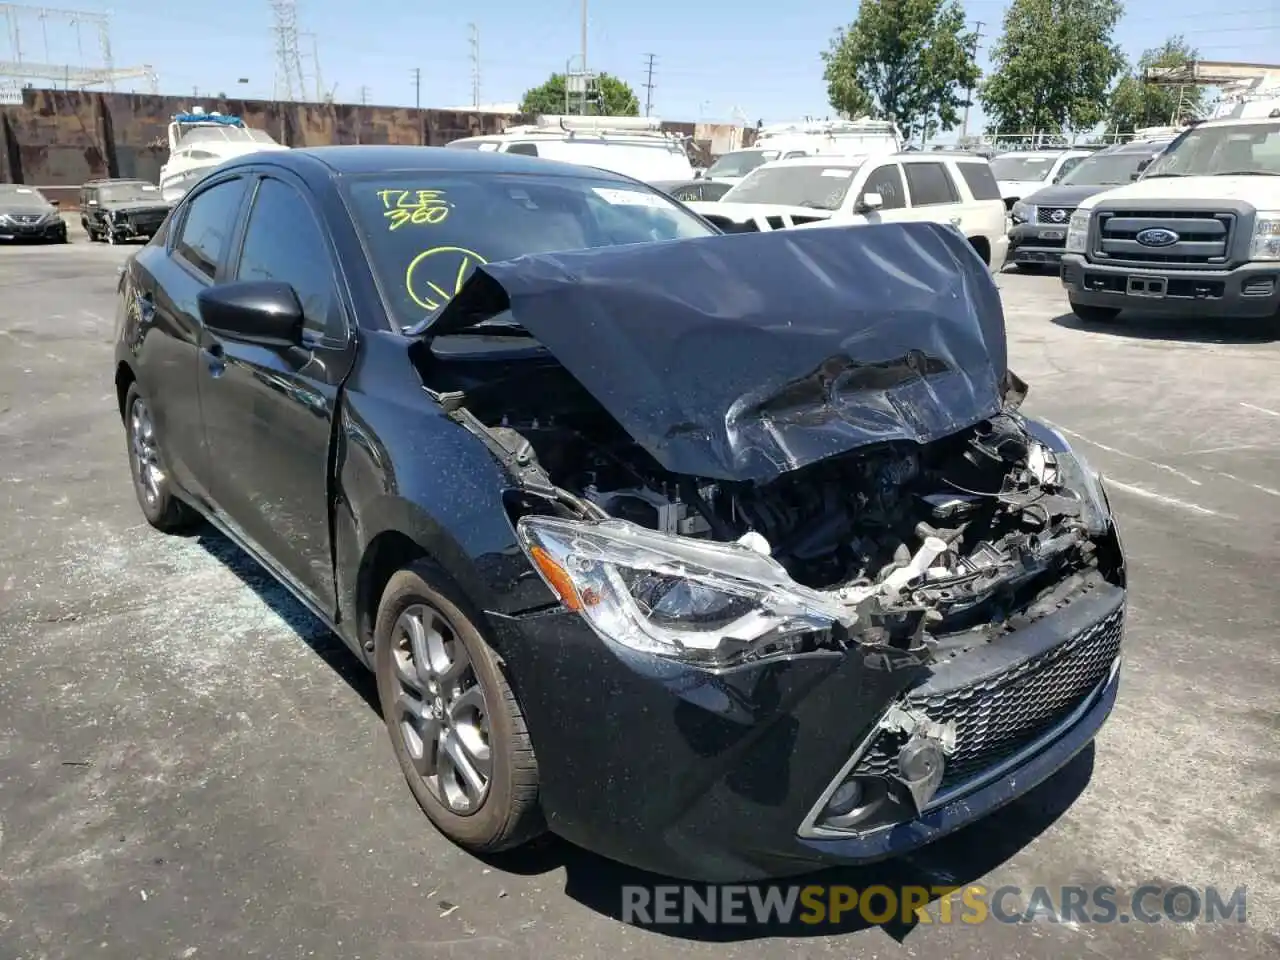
(1136,103)
(619,100)
(906,60)
(1053,65)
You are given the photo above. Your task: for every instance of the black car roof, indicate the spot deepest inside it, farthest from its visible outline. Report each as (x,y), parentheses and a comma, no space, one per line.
(369,159)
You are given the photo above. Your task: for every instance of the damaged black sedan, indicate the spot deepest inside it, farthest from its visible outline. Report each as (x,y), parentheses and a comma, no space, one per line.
(724,556)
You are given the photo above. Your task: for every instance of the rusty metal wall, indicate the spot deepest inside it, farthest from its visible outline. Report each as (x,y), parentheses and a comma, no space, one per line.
(62,138)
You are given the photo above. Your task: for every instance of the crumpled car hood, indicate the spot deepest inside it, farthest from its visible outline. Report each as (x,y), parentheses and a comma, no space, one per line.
(744,357)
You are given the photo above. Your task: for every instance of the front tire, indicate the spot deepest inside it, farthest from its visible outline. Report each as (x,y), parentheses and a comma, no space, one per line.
(456,728)
(151,483)
(1094,314)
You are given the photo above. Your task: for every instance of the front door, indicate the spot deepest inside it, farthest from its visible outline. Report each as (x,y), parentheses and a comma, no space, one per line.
(268,411)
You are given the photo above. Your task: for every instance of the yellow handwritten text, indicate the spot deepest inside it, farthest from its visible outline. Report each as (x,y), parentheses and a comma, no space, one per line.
(435,276)
(417,207)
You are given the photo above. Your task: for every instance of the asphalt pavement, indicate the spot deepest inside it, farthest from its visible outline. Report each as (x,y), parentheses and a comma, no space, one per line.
(190,766)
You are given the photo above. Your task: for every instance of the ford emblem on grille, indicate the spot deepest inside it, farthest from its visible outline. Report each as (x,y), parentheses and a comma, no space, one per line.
(1156,237)
(1058,216)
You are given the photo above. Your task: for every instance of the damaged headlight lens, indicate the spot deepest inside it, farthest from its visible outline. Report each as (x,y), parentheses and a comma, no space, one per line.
(1072,473)
(690,600)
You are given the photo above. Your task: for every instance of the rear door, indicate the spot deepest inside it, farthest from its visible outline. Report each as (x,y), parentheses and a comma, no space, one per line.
(163,287)
(269,411)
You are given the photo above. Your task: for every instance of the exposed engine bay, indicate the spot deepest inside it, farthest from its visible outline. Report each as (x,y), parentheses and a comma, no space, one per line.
(925,539)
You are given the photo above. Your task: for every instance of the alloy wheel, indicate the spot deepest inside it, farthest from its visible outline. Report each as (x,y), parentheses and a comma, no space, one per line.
(440,709)
(145,451)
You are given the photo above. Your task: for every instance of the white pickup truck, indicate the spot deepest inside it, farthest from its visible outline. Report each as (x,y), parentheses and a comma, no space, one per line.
(948,188)
(1198,234)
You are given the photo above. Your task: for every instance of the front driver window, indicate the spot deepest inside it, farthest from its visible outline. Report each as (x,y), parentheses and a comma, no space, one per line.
(283,242)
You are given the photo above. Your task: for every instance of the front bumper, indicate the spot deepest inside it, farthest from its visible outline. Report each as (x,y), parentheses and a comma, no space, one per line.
(54,229)
(1248,291)
(1037,244)
(715,777)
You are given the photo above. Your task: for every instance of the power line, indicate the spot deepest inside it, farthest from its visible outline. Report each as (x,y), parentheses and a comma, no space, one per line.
(475,65)
(648,84)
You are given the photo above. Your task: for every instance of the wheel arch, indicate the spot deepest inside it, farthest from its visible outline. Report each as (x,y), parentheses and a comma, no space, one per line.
(125,378)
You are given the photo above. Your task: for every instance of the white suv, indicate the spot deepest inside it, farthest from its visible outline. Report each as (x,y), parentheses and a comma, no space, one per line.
(1198,234)
(948,188)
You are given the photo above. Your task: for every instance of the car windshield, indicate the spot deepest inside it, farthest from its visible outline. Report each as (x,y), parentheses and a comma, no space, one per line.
(1107,169)
(803,185)
(1022,168)
(1245,148)
(426,232)
(740,163)
(13,197)
(126,192)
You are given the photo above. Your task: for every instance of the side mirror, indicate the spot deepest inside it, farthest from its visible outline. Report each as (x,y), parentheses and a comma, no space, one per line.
(870,201)
(54,203)
(697,174)
(265,312)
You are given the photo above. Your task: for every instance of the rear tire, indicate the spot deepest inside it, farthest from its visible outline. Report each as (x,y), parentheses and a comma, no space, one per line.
(151,483)
(457,731)
(1094,314)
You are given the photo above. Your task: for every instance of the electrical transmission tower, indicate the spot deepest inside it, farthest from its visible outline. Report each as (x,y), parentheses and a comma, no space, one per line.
(475,65)
(19,70)
(648,84)
(288,59)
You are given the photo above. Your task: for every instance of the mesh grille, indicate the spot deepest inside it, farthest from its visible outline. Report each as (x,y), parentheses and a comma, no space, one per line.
(1002,714)
(1054,216)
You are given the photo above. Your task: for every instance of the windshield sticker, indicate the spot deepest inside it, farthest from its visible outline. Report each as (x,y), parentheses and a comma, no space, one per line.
(417,207)
(435,276)
(837,172)
(629,198)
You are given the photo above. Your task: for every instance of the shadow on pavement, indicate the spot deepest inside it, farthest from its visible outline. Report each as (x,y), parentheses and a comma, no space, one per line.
(323,641)
(1142,326)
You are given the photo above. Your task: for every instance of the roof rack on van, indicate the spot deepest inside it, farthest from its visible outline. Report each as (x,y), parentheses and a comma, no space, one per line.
(596,126)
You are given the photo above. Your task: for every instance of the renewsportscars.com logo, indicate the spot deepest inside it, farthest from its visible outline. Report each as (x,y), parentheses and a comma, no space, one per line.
(818,904)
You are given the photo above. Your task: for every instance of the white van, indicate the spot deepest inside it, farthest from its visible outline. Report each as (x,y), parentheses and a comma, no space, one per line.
(786,141)
(633,146)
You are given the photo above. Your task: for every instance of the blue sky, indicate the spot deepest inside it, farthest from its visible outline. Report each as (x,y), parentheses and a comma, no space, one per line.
(714,57)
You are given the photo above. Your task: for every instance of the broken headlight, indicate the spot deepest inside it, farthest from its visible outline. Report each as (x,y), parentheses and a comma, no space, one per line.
(1071,473)
(691,600)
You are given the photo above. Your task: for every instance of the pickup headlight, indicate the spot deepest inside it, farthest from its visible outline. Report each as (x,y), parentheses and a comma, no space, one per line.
(1068,470)
(1022,213)
(695,601)
(1266,236)
(1078,232)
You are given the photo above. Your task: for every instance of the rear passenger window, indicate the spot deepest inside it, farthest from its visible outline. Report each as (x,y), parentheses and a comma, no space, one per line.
(211,216)
(930,184)
(887,181)
(524,149)
(980,180)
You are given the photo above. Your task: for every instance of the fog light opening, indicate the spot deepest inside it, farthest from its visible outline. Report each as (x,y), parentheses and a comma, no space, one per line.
(853,802)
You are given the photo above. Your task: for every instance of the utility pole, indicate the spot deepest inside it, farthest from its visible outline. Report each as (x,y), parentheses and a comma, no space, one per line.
(364,95)
(475,65)
(417,88)
(648,84)
(584,37)
(968,94)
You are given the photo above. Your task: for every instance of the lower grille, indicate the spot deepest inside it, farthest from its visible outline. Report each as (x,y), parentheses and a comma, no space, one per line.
(1201,238)
(1004,713)
(1054,216)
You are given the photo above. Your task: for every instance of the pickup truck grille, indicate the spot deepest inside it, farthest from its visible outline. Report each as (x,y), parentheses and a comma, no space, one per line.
(1054,216)
(1204,238)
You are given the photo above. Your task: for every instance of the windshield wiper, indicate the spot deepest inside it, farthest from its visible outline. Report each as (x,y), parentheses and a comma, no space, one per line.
(1246,173)
(1156,176)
